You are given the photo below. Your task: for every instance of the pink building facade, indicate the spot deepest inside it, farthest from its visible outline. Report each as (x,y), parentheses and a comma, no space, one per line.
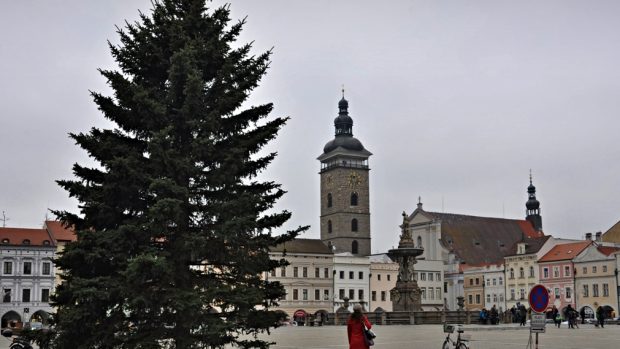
(557,273)
(558,277)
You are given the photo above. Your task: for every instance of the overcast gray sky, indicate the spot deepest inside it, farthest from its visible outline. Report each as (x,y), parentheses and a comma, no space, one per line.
(457,100)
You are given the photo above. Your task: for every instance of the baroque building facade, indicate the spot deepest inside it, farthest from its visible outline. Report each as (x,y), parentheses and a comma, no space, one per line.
(308,279)
(27,276)
(521,270)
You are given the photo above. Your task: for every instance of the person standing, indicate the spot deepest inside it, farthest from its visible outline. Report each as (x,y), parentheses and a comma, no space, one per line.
(600,316)
(355,328)
(570,315)
(557,317)
(518,313)
(522,315)
(494,315)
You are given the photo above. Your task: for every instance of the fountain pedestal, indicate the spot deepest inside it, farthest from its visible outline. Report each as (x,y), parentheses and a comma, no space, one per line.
(406,296)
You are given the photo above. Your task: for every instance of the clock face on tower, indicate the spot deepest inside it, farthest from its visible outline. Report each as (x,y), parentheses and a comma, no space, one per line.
(354,179)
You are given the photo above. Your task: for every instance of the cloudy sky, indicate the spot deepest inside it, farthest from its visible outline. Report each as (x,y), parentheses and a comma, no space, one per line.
(457,100)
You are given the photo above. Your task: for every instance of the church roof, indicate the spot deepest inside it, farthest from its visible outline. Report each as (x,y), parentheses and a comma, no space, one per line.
(481,240)
(308,246)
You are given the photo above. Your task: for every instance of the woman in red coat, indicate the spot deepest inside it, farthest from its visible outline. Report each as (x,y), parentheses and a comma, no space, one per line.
(355,328)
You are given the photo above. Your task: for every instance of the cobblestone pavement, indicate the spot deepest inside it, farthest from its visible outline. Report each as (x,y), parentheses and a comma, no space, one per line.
(432,336)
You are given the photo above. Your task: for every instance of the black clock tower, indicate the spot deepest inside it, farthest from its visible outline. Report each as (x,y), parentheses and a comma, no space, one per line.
(345,203)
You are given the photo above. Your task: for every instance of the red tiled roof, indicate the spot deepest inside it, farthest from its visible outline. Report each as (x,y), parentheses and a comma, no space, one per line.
(60,232)
(565,251)
(32,237)
(481,240)
(607,250)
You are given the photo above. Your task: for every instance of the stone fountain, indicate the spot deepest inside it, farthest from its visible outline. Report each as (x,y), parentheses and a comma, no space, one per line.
(406,294)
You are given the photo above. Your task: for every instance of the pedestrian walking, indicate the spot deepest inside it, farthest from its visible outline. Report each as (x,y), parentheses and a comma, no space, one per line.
(600,316)
(355,328)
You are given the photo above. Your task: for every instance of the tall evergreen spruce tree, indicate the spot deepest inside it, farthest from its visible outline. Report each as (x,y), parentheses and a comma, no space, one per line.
(174,229)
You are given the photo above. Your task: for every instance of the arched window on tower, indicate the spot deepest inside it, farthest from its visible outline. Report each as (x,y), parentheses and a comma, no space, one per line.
(329,199)
(353,199)
(354,224)
(354,249)
(419,241)
(329,226)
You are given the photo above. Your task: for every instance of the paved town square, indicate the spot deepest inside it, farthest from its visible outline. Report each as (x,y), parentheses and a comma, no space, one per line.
(192,173)
(432,336)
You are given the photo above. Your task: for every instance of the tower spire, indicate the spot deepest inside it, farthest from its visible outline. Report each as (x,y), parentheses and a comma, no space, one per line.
(533,207)
(343,122)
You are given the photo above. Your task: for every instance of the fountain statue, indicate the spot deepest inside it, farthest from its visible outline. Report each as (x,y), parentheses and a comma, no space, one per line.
(406,294)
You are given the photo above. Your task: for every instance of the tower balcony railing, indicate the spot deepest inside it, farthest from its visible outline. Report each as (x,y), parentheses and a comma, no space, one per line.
(344,164)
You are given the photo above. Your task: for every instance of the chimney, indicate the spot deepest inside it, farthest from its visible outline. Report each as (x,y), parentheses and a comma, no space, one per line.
(589,236)
(598,236)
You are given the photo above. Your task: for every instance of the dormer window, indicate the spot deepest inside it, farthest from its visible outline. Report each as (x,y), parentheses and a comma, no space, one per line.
(5,241)
(26,242)
(46,242)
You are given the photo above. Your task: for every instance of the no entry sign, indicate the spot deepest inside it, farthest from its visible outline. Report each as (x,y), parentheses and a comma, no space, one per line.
(539,298)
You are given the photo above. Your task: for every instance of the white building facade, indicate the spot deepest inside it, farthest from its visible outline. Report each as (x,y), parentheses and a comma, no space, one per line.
(351,280)
(494,288)
(27,276)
